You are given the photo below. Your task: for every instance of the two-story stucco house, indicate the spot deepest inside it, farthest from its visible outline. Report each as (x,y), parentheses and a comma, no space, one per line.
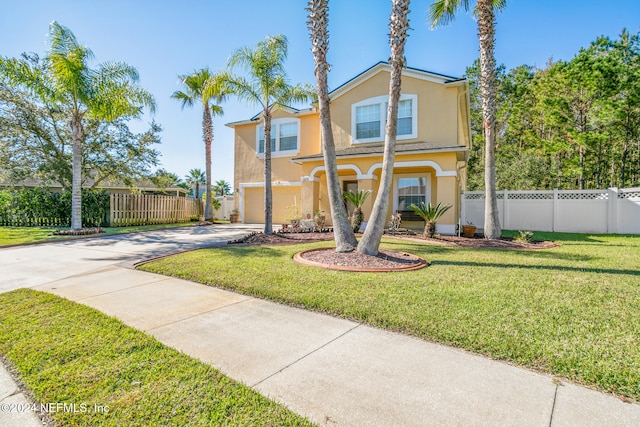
(432,148)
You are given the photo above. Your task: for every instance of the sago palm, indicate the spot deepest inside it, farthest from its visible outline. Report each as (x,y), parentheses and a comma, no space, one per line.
(430,214)
(108,92)
(443,12)
(265,83)
(356,199)
(205,88)
(317,22)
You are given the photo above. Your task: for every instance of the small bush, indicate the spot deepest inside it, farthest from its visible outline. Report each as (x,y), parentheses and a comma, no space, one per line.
(524,236)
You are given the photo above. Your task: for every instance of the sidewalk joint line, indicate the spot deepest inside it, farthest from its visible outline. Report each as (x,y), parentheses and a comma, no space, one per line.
(553,407)
(306,355)
(123,289)
(199,314)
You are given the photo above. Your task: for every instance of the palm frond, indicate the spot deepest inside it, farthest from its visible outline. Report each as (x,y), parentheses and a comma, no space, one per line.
(429,213)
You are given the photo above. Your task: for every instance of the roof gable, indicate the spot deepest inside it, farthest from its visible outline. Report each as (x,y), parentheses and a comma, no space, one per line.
(381,67)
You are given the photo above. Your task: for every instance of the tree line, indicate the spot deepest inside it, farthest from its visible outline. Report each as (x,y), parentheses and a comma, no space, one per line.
(569,125)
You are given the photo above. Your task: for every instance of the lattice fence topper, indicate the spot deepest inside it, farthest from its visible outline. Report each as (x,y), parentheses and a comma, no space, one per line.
(530,196)
(632,193)
(472,196)
(584,196)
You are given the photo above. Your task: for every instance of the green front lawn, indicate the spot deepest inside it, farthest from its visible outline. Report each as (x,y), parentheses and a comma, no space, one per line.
(109,374)
(16,235)
(572,311)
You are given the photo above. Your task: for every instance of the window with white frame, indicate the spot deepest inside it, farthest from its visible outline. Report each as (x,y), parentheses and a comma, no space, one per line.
(368,118)
(284,137)
(411,190)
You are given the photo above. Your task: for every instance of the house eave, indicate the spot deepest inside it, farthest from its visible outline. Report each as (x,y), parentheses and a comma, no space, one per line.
(319,157)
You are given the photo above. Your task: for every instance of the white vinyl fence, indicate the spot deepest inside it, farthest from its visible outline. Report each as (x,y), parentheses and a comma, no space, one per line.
(226,206)
(612,211)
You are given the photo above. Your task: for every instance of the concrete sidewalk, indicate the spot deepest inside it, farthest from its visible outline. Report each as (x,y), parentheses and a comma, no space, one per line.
(334,371)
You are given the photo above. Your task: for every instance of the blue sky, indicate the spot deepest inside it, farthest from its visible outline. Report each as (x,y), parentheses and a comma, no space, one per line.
(163,39)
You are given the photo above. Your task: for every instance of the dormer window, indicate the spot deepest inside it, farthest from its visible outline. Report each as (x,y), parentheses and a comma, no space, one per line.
(368,118)
(284,137)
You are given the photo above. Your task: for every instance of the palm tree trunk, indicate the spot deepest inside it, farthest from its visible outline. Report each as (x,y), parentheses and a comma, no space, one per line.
(317,24)
(398,26)
(486,35)
(76,183)
(268,194)
(207,130)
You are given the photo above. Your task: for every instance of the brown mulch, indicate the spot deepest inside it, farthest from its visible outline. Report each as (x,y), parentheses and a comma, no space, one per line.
(386,259)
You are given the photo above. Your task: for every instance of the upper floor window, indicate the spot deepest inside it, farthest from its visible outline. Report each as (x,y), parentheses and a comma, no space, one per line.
(368,118)
(284,137)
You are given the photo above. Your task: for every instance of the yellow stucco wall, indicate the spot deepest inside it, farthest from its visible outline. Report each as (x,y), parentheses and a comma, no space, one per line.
(437,109)
(442,121)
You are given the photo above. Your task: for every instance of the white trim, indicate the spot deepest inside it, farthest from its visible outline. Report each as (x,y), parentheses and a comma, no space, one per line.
(355,168)
(446,229)
(259,185)
(410,175)
(383,101)
(275,127)
(439,171)
(381,67)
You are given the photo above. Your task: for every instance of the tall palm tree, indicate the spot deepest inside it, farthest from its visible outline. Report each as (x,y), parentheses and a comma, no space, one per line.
(194,178)
(109,92)
(222,188)
(208,89)
(266,84)
(443,12)
(398,28)
(317,22)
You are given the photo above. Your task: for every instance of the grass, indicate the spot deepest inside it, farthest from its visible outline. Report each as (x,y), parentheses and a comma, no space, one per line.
(72,354)
(17,235)
(571,311)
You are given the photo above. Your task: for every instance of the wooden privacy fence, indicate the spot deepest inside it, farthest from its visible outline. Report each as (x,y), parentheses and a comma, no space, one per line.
(132,209)
(612,210)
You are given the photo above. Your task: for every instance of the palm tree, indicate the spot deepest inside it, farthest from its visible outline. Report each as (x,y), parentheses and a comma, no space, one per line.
(109,92)
(222,188)
(208,89)
(195,177)
(398,27)
(356,199)
(317,23)
(430,215)
(443,12)
(266,85)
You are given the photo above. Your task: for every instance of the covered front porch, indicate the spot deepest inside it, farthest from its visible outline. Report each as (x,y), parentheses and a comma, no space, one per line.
(432,179)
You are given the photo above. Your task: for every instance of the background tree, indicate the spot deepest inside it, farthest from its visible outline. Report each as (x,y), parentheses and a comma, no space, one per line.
(207,89)
(164,179)
(222,188)
(36,139)
(443,11)
(108,93)
(265,84)
(194,178)
(317,23)
(398,28)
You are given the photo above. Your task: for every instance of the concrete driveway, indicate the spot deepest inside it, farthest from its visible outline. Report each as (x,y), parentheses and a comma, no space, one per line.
(31,265)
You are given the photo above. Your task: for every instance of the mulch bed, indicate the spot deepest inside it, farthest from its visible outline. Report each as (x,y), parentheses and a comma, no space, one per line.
(387,260)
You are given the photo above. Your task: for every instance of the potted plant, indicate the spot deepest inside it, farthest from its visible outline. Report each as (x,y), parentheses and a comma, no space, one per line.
(430,214)
(234,216)
(469,230)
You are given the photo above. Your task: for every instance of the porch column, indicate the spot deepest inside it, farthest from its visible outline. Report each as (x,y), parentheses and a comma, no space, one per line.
(310,196)
(446,191)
